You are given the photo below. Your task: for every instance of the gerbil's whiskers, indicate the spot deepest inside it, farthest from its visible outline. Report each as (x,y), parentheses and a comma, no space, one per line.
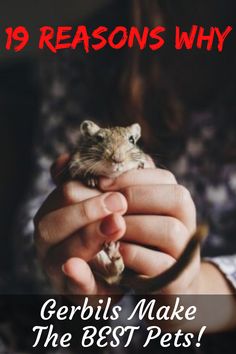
(92,169)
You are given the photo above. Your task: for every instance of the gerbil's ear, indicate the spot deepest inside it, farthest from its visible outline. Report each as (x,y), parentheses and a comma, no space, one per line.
(135,130)
(87,127)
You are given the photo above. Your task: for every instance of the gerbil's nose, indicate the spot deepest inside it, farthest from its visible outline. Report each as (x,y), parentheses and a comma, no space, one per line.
(118,157)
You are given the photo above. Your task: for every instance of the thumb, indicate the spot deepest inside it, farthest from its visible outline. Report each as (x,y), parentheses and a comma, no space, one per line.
(80,279)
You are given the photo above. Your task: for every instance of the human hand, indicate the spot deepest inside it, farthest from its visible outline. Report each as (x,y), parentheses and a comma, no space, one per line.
(160,221)
(70,229)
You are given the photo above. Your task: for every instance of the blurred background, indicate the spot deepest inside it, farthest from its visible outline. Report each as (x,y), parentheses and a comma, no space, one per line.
(20,99)
(20,87)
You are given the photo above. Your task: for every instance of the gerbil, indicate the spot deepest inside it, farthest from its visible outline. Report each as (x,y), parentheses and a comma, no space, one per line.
(110,152)
(105,152)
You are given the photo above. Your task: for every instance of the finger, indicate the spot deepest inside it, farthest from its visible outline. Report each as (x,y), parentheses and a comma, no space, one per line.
(66,194)
(81,281)
(137,177)
(169,200)
(152,263)
(58,168)
(150,162)
(79,277)
(145,261)
(85,244)
(165,233)
(60,224)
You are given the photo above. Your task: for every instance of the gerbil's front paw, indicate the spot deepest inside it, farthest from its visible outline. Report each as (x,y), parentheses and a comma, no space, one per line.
(92,182)
(116,267)
(112,250)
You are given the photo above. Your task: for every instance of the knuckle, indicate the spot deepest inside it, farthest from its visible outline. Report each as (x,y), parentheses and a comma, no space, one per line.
(169,176)
(182,196)
(177,235)
(85,211)
(169,262)
(166,263)
(42,233)
(193,227)
(69,192)
(174,229)
(185,206)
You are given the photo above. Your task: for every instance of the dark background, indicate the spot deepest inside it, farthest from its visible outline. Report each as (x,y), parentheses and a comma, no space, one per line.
(20,100)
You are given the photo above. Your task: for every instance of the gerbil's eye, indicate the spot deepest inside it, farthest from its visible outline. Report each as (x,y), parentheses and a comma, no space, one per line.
(131,139)
(100,138)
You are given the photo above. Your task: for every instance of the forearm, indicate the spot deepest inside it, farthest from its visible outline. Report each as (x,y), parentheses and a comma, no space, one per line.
(217,312)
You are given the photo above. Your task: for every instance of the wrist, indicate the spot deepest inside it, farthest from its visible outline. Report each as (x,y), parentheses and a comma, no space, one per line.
(211,280)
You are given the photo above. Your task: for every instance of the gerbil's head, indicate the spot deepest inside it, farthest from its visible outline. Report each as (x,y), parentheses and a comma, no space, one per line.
(109,151)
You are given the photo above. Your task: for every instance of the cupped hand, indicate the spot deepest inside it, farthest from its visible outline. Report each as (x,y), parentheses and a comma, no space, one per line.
(160,220)
(70,229)
(75,221)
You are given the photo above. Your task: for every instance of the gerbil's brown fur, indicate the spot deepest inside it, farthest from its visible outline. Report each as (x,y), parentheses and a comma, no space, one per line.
(105,152)
(110,152)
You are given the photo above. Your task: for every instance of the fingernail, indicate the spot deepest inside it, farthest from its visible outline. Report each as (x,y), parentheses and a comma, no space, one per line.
(108,227)
(63,268)
(114,202)
(106,182)
(65,271)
